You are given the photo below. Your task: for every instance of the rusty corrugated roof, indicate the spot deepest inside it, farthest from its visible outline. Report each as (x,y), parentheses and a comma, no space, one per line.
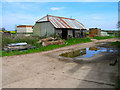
(62,22)
(24,26)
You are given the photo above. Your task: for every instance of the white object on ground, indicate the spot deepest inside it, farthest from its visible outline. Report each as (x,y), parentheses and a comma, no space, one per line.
(17,44)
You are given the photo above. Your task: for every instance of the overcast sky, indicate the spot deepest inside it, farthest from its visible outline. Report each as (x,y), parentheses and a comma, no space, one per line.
(103,15)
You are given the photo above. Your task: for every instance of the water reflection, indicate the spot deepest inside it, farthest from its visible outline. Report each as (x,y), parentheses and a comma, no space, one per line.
(74,53)
(88,52)
(93,48)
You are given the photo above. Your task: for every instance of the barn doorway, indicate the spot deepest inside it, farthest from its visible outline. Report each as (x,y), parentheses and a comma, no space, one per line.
(64,33)
(73,33)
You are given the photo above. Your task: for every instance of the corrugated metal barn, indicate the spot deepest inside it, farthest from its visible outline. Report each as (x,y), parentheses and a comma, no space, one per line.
(63,27)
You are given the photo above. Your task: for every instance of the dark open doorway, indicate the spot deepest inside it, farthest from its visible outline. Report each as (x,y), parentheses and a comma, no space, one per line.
(73,33)
(83,33)
(64,33)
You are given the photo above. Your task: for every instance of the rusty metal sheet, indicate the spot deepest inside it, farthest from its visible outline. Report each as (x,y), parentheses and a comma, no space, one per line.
(61,22)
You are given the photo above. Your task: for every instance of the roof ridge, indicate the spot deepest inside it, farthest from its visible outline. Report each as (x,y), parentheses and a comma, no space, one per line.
(61,17)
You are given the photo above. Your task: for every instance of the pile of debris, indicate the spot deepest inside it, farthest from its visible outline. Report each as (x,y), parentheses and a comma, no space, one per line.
(50,41)
(18,46)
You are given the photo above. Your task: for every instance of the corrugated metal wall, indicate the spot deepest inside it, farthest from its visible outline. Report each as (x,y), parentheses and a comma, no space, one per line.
(46,28)
(21,30)
(36,29)
(42,29)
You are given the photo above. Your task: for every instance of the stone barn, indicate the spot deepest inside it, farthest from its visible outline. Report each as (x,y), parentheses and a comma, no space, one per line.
(63,27)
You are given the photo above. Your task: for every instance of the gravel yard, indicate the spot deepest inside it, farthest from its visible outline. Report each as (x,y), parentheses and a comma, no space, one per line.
(46,70)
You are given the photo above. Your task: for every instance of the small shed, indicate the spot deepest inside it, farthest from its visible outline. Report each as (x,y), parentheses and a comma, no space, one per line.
(94,32)
(63,27)
(25,29)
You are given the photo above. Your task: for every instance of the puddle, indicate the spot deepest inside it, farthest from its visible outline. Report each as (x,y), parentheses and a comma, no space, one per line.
(89,52)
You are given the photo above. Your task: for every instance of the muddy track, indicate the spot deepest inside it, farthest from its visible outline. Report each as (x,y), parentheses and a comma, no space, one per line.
(41,70)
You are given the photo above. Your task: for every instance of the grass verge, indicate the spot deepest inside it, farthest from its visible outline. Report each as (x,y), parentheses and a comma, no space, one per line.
(118,84)
(47,48)
(117,44)
(103,37)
